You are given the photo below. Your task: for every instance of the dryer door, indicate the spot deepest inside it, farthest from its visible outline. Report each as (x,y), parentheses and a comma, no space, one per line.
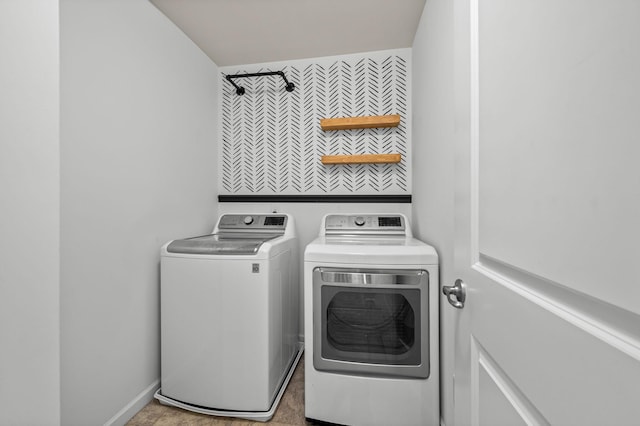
(373,322)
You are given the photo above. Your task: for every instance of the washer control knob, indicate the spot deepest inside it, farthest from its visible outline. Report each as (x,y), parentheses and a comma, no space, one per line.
(248,220)
(359,221)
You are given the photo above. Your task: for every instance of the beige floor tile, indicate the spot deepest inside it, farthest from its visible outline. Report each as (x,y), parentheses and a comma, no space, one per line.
(149,415)
(290,412)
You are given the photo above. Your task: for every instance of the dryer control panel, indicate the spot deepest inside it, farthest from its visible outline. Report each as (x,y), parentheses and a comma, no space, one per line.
(365,224)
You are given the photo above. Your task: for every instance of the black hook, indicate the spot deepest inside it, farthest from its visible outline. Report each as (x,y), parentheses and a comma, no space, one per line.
(240,90)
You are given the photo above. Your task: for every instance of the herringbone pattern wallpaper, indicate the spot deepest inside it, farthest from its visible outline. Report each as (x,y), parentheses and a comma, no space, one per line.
(272,141)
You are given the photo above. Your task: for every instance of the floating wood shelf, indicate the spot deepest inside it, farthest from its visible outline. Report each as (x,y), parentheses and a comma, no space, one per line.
(361,159)
(367,122)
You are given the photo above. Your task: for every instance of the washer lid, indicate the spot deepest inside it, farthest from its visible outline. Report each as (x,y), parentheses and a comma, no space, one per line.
(229,243)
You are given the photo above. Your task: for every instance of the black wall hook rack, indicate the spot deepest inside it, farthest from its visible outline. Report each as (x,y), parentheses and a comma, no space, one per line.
(240,90)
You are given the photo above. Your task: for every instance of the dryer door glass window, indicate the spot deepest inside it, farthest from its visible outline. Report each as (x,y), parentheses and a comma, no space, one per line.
(377,326)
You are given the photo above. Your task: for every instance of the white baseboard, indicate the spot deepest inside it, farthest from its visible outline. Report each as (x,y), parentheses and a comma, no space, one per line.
(136,404)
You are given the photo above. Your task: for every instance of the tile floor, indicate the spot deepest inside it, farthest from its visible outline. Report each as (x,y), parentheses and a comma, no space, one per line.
(289,412)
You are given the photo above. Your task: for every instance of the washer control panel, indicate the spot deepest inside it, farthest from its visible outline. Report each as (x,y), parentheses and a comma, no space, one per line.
(364,223)
(253,222)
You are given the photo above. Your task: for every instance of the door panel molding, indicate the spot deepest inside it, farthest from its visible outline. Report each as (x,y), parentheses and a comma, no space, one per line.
(481,361)
(554,180)
(609,323)
(612,325)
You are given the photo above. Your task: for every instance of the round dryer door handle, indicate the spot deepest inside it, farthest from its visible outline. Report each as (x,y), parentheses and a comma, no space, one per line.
(458,291)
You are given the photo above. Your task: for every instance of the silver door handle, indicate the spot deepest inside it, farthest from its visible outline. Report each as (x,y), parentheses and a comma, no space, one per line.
(458,291)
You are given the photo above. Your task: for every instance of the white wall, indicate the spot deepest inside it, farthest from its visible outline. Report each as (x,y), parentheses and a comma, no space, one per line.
(433,156)
(138,158)
(30,199)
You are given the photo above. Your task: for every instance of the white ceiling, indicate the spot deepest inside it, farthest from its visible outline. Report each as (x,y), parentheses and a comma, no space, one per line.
(237,32)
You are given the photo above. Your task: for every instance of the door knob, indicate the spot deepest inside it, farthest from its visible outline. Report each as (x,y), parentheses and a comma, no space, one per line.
(458,291)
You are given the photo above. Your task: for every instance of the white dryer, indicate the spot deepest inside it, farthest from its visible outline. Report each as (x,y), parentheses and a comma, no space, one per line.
(371,323)
(229,317)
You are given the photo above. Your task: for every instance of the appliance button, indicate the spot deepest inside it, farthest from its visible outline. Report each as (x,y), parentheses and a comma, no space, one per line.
(359,221)
(248,220)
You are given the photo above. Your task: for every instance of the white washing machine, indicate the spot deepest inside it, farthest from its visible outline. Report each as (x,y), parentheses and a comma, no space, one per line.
(229,317)
(371,323)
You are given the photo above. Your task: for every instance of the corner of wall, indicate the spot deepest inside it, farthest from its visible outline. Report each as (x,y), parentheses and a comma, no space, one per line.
(138,150)
(433,135)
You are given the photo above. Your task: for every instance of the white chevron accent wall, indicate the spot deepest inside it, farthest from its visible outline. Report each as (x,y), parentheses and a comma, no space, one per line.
(271,140)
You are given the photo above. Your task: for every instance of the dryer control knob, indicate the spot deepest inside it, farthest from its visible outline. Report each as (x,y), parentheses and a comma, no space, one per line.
(248,220)
(359,221)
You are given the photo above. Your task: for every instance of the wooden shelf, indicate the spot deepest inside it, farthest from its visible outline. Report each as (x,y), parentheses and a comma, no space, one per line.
(361,159)
(366,122)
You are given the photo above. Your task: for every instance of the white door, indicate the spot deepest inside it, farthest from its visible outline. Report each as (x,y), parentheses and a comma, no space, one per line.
(548,212)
